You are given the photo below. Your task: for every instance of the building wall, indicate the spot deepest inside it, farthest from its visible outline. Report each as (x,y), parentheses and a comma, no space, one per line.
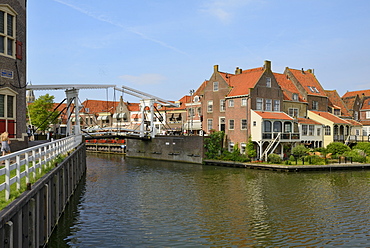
(302,108)
(17,66)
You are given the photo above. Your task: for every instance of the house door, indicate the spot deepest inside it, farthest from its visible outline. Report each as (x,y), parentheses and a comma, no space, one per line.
(222,124)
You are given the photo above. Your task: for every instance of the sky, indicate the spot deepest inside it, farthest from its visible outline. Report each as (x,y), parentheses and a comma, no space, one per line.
(168,47)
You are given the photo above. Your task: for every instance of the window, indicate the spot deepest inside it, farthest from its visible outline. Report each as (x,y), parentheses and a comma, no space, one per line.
(254,123)
(7,31)
(191,112)
(287,127)
(231,124)
(268,105)
(210,106)
(244,102)
(244,124)
(243,148)
(304,130)
(293,112)
(318,130)
(215,86)
(315,105)
(268,82)
(364,131)
(277,126)
(276,105)
(267,126)
(222,105)
(210,124)
(357,132)
(231,146)
(316,90)
(337,111)
(311,89)
(295,97)
(231,103)
(311,130)
(327,130)
(367,114)
(259,104)
(356,115)
(7,111)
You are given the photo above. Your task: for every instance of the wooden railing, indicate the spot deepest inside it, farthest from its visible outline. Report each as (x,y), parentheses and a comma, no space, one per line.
(33,159)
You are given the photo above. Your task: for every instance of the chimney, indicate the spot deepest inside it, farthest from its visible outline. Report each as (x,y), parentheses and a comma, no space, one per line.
(238,71)
(302,71)
(267,65)
(310,71)
(215,68)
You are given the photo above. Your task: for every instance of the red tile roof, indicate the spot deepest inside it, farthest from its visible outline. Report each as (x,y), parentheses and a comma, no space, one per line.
(331,117)
(354,123)
(288,87)
(308,121)
(274,115)
(98,106)
(365,105)
(242,83)
(357,92)
(307,80)
(335,101)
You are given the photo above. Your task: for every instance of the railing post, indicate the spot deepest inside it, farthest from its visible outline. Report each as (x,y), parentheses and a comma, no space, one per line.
(18,178)
(27,160)
(34,163)
(7,180)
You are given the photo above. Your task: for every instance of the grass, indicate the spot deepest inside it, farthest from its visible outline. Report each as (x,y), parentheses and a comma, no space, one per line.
(14,193)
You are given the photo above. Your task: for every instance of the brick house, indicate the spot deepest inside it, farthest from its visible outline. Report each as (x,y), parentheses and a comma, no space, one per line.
(13,72)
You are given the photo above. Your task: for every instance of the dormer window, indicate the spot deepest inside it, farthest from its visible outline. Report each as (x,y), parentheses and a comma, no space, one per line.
(196,99)
(311,89)
(268,82)
(316,90)
(295,97)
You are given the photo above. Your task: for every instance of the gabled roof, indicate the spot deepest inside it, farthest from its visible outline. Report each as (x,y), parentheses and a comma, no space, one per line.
(336,102)
(200,90)
(308,121)
(288,87)
(354,123)
(273,115)
(308,82)
(133,106)
(331,117)
(349,102)
(241,83)
(357,92)
(365,105)
(98,106)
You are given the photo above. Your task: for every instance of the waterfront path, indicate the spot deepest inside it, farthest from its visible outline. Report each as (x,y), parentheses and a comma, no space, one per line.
(289,168)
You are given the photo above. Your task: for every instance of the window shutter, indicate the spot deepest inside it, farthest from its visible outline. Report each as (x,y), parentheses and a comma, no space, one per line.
(19,46)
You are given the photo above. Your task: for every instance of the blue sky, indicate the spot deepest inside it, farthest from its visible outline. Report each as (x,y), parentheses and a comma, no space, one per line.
(167,47)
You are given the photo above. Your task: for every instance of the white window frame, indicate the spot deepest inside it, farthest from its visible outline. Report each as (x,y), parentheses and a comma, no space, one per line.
(243,102)
(215,86)
(210,106)
(259,104)
(222,105)
(276,105)
(304,130)
(9,37)
(367,114)
(243,124)
(293,112)
(231,124)
(311,130)
(7,92)
(231,103)
(209,124)
(268,82)
(268,104)
(295,97)
(315,105)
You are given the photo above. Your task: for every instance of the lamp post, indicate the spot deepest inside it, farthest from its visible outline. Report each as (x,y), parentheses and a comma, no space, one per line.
(191,111)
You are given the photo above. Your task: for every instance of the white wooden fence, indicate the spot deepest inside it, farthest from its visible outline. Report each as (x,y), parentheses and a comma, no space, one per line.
(33,158)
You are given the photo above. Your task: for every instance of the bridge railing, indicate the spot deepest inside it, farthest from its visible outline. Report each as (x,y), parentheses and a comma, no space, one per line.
(33,158)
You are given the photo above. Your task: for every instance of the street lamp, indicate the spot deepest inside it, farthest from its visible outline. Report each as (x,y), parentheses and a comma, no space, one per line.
(191,112)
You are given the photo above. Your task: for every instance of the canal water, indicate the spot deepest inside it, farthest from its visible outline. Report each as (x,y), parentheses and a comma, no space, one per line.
(141,203)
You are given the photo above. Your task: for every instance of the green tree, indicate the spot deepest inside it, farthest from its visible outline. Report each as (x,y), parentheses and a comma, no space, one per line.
(41,112)
(213,145)
(300,151)
(365,146)
(337,148)
(251,152)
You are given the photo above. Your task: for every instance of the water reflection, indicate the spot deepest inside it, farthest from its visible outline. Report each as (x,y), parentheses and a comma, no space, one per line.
(140,203)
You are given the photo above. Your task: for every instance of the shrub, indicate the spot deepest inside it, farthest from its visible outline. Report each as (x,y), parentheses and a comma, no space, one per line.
(337,148)
(274,158)
(292,158)
(213,145)
(300,150)
(365,146)
(357,155)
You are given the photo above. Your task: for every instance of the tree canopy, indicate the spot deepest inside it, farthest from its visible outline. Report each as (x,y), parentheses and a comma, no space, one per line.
(41,112)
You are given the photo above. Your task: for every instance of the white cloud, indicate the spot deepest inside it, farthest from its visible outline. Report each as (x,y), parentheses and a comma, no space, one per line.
(224,10)
(144,79)
(106,19)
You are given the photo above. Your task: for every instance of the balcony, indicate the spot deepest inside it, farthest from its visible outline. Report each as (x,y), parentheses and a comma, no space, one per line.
(283,136)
